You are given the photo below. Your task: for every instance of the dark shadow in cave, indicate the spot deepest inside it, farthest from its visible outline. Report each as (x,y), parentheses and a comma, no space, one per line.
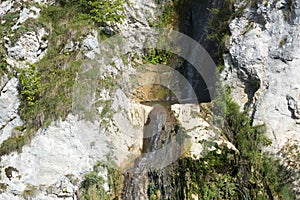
(194,16)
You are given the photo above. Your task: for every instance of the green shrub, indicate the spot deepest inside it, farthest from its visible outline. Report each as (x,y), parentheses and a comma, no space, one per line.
(156,56)
(227,174)
(14,143)
(29,86)
(102,11)
(92,185)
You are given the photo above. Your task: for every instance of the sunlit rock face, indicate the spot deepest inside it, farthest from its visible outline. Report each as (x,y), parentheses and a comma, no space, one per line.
(262,67)
(53,165)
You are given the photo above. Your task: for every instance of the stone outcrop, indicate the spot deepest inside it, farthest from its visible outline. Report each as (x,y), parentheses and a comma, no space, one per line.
(29,48)
(9,104)
(262,67)
(198,130)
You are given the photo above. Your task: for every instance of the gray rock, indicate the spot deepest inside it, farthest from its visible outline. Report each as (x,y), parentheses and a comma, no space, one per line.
(9,104)
(293,107)
(261,68)
(25,14)
(29,48)
(5,6)
(90,45)
(267,54)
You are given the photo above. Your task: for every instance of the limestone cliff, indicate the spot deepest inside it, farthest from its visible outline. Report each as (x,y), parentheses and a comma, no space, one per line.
(261,68)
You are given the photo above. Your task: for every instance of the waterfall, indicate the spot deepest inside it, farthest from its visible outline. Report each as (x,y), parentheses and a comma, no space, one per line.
(136,179)
(142,181)
(195,26)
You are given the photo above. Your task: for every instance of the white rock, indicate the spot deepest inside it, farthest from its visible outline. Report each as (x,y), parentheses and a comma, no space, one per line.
(195,127)
(25,14)
(29,48)
(90,45)
(63,148)
(5,6)
(10,196)
(9,104)
(262,70)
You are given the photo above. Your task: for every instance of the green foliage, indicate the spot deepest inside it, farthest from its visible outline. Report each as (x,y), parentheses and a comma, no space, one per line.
(45,88)
(210,177)
(92,185)
(218,28)
(102,11)
(239,130)
(161,56)
(8,21)
(14,143)
(168,15)
(244,174)
(156,56)
(261,171)
(29,85)
(220,68)
(45,93)
(3,63)
(114,179)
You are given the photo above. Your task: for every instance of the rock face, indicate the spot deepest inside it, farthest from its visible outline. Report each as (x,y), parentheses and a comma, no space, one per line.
(198,129)
(29,48)
(262,67)
(69,147)
(54,163)
(9,104)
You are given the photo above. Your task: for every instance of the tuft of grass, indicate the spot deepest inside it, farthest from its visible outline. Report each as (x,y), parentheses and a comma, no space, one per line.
(3,187)
(156,56)
(29,192)
(282,42)
(14,143)
(168,16)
